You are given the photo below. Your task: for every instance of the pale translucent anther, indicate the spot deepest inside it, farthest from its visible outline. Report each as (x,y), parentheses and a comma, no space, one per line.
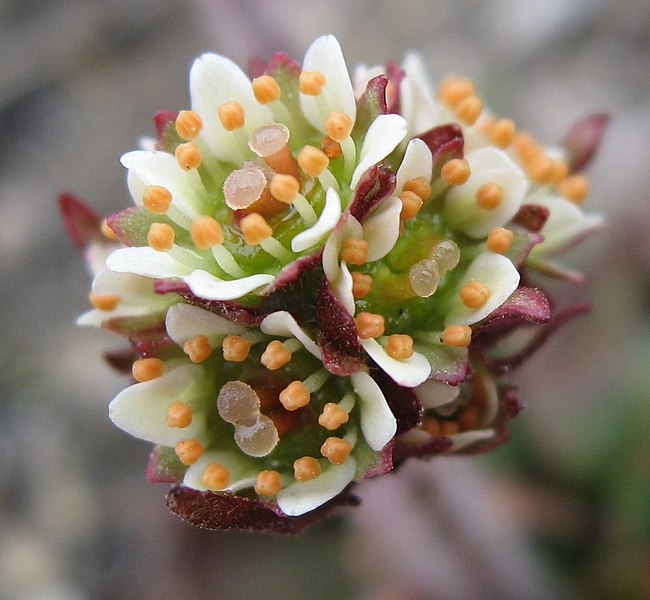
(244,186)
(339,126)
(269,139)
(312,161)
(146,369)
(108,233)
(235,348)
(275,356)
(503,133)
(446,254)
(457,335)
(500,239)
(489,196)
(311,82)
(354,251)
(105,302)
(188,124)
(411,205)
(198,348)
(469,109)
(188,156)
(453,90)
(156,199)
(474,294)
(424,277)
(256,436)
(232,116)
(333,416)
(306,468)
(206,232)
(336,450)
(179,414)
(369,325)
(268,483)
(215,477)
(189,451)
(455,171)
(419,185)
(266,89)
(295,396)
(255,229)
(237,401)
(330,147)
(540,170)
(399,346)
(361,284)
(161,236)
(575,188)
(284,188)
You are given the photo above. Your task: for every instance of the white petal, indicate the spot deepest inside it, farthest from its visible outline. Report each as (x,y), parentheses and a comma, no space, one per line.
(417,162)
(326,222)
(342,289)
(416,101)
(141,409)
(208,286)
(432,393)
(377,421)
(145,261)
(301,497)
(162,168)
(501,278)
(362,75)
(282,323)
(487,165)
(325,55)
(215,80)
(184,321)
(407,372)
(243,473)
(464,439)
(383,135)
(381,228)
(566,224)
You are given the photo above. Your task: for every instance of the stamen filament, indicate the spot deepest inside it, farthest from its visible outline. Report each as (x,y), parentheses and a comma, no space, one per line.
(227,262)
(277,250)
(316,380)
(305,209)
(349,157)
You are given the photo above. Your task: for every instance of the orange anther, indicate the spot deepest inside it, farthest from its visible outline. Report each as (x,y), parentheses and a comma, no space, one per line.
(336,450)
(108,232)
(500,239)
(284,187)
(455,89)
(161,236)
(354,251)
(275,356)
(215,477)
(188,156)
(540,170)
(255,229)
(489,195)
(145,369)
(156,199)
(575,188)
(469,109)
(179,414)
(188,124)
(455,171)
(206,232)
(266,89)
(474,294)
(235,348)
(331,148)
(468,418)
(333,416)
(448,427)
(198,348)
(369,325)
(457,335)
(419,186)
(106,302)
(400,346)
(411,205)
(311,82)
(295,396)
(231,115)
(503,133)
(361,284)
(268,483)
(306,468)
(189,451)
(312,161)
(338,126)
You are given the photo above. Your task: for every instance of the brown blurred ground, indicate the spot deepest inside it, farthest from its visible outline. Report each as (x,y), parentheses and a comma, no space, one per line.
(79,81)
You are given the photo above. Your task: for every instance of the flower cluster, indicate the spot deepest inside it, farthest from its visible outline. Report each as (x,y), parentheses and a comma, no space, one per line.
(315,276)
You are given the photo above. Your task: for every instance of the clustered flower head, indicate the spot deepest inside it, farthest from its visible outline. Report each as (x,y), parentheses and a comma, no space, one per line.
(319,277)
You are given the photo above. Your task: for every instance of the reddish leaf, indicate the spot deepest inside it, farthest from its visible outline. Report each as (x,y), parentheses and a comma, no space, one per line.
(168,138)
(531,217)
(395,76)
(82,223)
(583,140)
(375,185)
(403,402)
(445,142)
(370,105)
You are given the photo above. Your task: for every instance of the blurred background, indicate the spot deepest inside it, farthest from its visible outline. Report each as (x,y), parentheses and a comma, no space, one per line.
(563,511)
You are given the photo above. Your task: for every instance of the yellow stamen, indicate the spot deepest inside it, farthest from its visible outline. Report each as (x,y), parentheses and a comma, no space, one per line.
(499,240)
(457,335)
(420,186)
(295,396)
(474,294)
(469,109)
(198,348)
(575,188)
(106,302)
(156,199)
(338,126)
(400,346)
(369,325)
(275,356)
(454,90)
(268,483)
(311,82)
(489,196)
(411,205)
(312,161)
(306,468)
(455,171)
(215,477)
(108,232)
(188,156)
(145,369)
(333,416)
(206,232)
(188,124)
(231,115)
(235,348)
(255,229)
(284,188)
(161,236)
(266,89)
(361,284)
(179,414)
(336,450)
(189,451)
(354,251)
(503,133)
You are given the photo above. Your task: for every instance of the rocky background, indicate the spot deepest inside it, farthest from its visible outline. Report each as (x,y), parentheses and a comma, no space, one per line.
(561,512)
